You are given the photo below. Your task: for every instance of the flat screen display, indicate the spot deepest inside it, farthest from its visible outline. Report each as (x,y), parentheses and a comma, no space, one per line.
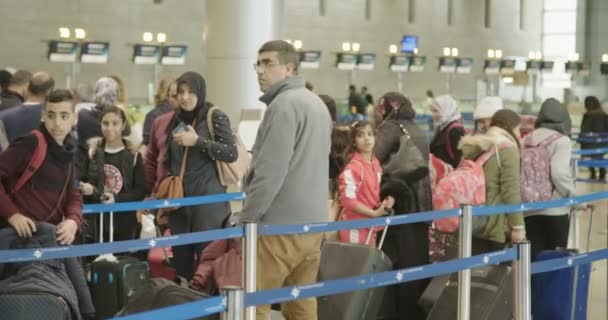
(409,43)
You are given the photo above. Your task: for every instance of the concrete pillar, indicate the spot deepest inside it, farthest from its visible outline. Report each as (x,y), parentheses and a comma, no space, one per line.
(234,32)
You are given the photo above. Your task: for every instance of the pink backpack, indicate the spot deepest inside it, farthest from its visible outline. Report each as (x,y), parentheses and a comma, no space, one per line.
(465,185)
(535,177)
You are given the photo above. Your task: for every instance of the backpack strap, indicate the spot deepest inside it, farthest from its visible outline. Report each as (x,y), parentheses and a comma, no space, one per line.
(552,138)
(35,162)
(481,160)
(449,143)
(545,142)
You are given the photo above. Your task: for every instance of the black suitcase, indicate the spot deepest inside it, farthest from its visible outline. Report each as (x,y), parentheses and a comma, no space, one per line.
(113,279)
(158,293)
(343,260)
(432,292)
(33,306)
(491,295)
(174,295)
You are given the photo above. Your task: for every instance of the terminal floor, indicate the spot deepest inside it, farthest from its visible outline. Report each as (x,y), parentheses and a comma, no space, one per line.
(598,291)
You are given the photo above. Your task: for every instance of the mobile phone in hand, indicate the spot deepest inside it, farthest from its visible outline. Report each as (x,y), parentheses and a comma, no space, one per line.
(181,127)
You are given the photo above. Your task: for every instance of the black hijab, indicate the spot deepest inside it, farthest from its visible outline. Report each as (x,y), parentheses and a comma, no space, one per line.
(404,111)
(196,82)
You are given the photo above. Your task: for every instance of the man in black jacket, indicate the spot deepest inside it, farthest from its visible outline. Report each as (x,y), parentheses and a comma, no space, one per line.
(15,95)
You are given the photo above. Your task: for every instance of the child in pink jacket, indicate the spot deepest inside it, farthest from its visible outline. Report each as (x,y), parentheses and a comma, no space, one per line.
(220,262)
(359,185)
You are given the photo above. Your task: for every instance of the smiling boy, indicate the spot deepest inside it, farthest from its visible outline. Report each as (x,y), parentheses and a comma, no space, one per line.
(50,194)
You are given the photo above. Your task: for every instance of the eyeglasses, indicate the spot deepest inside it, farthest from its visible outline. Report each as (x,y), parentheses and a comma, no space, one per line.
(264,65)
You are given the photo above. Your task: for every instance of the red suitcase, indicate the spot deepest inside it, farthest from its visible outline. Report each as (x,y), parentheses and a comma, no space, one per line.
(159,260)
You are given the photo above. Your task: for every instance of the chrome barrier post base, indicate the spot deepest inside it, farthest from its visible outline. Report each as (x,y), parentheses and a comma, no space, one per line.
(522,283)
(464,276)
(235,303)
(250,259)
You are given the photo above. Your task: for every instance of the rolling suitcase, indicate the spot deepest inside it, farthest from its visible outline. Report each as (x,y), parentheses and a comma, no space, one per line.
(113,279)
(432,292)
(491,295)
(33,306)
(342,260)
(159,292)
(561,294)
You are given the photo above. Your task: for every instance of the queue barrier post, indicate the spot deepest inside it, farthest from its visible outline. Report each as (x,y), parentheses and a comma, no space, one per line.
(235,303)
(522,275)
(464,276)
(251,252)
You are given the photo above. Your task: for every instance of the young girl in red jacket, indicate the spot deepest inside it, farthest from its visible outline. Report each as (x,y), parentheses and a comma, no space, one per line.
(359,185)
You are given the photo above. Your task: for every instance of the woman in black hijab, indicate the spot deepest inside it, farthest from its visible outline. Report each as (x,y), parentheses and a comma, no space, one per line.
(188,128)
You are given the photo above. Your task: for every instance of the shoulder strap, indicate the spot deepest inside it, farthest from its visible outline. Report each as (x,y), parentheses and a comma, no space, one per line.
(182,170)
(481,160)
(449,142)
(550,139)
(210,122)
(35,162)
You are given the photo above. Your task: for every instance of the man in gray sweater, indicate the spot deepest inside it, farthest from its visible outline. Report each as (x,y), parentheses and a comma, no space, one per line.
(288,179)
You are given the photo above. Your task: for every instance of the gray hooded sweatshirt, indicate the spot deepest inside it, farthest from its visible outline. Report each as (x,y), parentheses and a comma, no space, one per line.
(554,118)
(287,181)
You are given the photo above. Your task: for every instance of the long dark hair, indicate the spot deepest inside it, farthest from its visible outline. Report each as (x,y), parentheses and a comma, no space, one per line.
(507,120)
(592,103)
(356,128)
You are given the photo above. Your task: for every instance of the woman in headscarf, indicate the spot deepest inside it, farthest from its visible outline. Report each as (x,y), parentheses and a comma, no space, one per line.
(448,130)
(548,229)
(407,245)
(201,177)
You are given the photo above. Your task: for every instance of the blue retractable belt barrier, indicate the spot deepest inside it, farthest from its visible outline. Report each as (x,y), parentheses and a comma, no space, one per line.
(269,230)
(376,280)
(567,262)
(589,152)
(116,247)
(190,310)
(592,139)
(158,204)
(593,163)
(536,206)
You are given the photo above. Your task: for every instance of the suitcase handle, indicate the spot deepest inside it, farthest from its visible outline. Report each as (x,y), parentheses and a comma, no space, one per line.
(390,213)
(111,227)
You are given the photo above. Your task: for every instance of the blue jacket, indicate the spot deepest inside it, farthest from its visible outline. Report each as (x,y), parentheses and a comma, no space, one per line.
(21,120)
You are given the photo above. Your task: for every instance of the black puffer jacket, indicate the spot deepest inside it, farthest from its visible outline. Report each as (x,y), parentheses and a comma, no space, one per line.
(131,169)
(60,277)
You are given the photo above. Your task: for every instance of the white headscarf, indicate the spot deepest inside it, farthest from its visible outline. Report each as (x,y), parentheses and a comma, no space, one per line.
(106,92)
(448,110)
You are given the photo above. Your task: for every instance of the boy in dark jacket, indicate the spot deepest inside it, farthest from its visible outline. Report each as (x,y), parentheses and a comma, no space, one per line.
(50,195)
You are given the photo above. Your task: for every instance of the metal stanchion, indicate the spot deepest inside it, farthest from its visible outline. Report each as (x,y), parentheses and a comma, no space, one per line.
(235,303)
(251,253)
(464,276)
(576,222)
(522,283)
